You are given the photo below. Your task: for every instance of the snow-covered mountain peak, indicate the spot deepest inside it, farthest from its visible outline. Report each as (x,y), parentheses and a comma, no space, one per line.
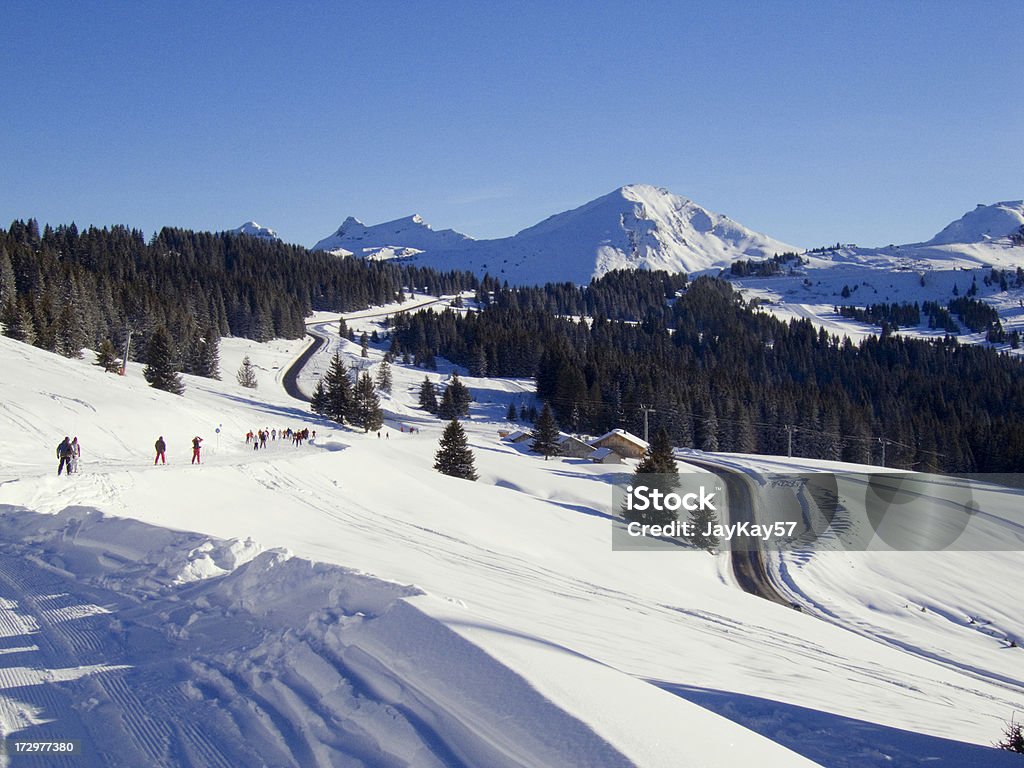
(984,223)
(647,227)
(410,233)
(637,226)
(252,229)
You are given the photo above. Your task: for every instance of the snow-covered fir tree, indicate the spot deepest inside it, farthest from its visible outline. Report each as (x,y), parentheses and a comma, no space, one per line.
(318,402)
(446,410)
(545,434)
(338,388)
(366,411)
(428,395)
(207,355)
(247,374)
(455,400)
(106,357)
(383,378)
(657,470)
(161,370)
(454,456)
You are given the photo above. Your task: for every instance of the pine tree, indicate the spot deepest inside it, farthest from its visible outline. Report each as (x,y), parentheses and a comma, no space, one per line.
(338,386)
(511,414)
(545,434)
(18,323)
(709,428)
(384,377)
(207,354)
(364,344)
(699,521)
(454,456)
(446,409)
(428,396)
(8,286)
(161,371)
(70,336)
(657,470)
(1013,734)
(461,396)
(659,458)
(478,362)
(342,328)
(247,374)
(106,357)
(318,403)
(366,410)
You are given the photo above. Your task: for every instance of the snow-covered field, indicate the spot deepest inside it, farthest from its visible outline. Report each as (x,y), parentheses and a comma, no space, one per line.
(341,603)
(814,293)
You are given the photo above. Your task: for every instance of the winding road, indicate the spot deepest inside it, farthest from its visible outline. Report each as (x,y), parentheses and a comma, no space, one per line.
(745,554)
(291,376)
(290,380)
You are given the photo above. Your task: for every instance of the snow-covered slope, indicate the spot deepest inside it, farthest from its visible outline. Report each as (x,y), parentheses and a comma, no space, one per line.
(252,229)
(392,239)
(423,620)
(958,260)
(645,227)
(634,227)
(984,223)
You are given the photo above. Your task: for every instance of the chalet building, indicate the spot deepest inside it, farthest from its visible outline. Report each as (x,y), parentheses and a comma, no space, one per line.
(624,443)
(573,447)
(605,456)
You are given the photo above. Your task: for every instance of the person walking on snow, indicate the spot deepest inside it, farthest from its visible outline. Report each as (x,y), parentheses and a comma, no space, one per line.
(64,453)
(161,451)
(76,452)
(196,442)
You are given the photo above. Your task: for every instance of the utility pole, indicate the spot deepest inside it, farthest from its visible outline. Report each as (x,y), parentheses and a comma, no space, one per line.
(646,409)
(790,429)
(127,349)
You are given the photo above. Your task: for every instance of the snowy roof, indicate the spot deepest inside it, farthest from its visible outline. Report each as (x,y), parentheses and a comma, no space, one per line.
(563,439)
(628,436)
(518,436)
(601,453)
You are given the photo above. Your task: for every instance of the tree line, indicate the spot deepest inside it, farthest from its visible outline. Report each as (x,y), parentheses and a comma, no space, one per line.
(720,376)
(62,289)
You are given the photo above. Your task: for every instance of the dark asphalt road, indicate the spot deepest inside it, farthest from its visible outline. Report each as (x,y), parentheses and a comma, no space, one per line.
(291,376)
(745,554)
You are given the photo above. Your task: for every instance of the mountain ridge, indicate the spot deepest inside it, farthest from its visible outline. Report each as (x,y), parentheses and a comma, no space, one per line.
(635,226)
(640,226)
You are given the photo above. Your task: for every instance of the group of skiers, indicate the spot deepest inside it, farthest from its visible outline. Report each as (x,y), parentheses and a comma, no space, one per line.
(161,450)
(259,438)
(70,449)
(68,453)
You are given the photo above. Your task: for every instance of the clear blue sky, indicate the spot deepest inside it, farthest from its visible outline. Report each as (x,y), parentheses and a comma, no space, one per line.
(813,122)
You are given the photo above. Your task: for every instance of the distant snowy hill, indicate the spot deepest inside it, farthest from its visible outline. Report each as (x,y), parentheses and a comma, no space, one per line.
(958,259)
(634,227)
(984,223)
(392,239)
(253,229)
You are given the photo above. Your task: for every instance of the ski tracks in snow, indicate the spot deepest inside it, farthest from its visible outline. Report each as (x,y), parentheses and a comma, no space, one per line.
(78,679)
